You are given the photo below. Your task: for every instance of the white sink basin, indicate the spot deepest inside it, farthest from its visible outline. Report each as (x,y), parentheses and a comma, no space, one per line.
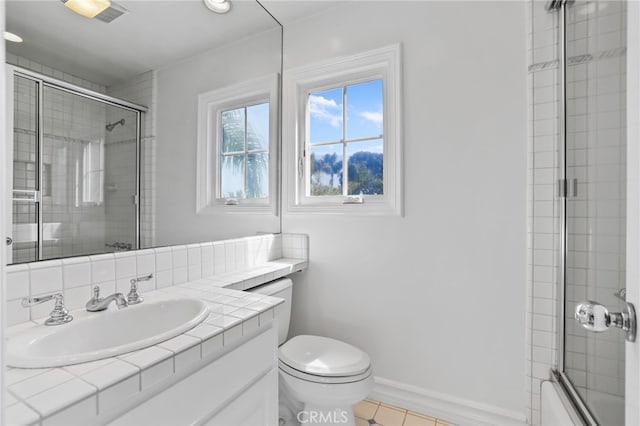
(104,334)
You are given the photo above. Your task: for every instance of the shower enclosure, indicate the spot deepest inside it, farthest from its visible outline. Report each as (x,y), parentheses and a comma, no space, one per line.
(74,172)
(592,194)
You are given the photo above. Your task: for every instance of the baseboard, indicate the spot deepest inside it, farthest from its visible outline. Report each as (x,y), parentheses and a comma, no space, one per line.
(456,410)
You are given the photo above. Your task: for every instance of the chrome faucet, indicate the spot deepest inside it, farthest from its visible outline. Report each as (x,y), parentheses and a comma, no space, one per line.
(97,303)
(59,315)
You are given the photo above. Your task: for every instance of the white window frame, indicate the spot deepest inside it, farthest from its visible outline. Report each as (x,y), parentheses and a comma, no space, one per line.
(383,63)
(210,106)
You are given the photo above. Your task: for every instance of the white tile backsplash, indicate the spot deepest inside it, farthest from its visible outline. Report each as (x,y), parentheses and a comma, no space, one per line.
(169,265)
(17,285)
(76,272)
(45,277)
(145,262)
(163,259)
(194,254)
(103,268)
(179,256)
(125,265)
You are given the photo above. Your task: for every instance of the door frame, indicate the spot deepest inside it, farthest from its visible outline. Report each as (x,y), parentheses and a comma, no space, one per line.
(8,158)
(632,349)
(3,220)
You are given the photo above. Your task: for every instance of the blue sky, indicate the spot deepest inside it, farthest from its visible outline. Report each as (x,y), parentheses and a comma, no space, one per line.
(364,113)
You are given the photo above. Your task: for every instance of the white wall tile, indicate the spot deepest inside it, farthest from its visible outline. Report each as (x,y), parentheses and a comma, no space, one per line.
(17,284)
(179,256)
(45,277)
(145,262)
(194,254)
(103,268)
(163,259)
(125,265)
(76,272)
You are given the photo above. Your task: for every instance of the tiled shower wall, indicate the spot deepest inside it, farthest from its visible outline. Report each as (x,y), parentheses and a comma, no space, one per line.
(543,204)
(595,154)
(142,91)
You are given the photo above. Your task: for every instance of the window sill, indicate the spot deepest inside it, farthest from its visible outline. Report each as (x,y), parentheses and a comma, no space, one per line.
(368,208)
(245,209)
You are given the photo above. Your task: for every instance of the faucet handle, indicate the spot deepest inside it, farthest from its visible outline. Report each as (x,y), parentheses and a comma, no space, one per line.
(59,314)
(133,298)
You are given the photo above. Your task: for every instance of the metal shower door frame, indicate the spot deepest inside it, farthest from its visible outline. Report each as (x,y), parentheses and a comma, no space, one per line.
(46,81)
(558,374)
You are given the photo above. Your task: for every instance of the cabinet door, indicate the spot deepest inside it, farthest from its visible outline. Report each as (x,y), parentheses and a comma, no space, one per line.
(257,406)
(208,390)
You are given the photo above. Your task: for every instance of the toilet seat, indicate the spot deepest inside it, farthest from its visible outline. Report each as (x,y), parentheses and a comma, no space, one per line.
(314,378)
(323,360)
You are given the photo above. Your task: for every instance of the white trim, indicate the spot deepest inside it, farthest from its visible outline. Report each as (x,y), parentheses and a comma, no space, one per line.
(4,199)
(447,407)
(209,103)
(8,157)
(632,350)
(382,63)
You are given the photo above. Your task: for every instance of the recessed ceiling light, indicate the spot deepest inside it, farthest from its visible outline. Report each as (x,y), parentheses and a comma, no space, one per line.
(12,37)
(218,6)
(87,8)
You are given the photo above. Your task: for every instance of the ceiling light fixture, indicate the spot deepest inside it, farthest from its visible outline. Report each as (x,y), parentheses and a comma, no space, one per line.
(87,8)
(218,6)
(12,37)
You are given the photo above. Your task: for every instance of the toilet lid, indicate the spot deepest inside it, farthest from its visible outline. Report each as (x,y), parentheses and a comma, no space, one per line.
(323,356)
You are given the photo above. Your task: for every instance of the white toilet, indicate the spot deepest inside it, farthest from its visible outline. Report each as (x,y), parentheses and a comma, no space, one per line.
(320,378)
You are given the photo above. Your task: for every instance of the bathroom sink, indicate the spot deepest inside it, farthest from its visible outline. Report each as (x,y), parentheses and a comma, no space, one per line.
(104,334)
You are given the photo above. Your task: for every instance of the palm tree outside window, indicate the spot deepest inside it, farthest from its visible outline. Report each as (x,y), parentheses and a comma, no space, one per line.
(244,154)
(346,140)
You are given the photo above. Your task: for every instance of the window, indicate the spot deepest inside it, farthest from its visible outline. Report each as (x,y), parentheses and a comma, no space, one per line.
(90,174)
(345,127)
(244,171)
(345,140)
(237,140)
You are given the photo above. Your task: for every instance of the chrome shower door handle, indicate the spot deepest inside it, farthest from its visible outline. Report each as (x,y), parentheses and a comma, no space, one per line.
(595,317)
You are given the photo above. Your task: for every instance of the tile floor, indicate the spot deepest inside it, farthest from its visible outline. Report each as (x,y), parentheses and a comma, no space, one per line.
(371,413)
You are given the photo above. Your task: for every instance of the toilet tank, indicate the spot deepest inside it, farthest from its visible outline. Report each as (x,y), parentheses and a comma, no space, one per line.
(282,289)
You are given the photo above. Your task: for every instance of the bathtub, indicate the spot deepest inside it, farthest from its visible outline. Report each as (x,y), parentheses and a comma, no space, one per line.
(554,411)
(552,406)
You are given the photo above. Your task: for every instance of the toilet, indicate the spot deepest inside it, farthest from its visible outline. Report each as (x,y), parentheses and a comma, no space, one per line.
(320,379)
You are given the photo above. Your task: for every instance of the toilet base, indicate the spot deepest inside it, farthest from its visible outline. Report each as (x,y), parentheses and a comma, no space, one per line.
(293,412)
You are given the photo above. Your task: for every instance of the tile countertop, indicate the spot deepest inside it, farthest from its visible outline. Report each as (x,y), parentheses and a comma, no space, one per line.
(51,395)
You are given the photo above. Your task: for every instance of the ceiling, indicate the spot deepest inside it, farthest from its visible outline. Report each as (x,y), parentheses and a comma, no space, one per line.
(152,34)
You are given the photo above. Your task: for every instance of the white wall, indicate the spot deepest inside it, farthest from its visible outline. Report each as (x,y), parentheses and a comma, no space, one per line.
(437,298)
(178,88)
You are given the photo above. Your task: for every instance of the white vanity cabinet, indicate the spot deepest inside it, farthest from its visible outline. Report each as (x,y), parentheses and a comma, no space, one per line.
(237,388)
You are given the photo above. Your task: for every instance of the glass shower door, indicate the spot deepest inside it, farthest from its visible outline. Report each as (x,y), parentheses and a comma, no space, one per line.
(596,202)
(89,162)
(74,171)
(25,172)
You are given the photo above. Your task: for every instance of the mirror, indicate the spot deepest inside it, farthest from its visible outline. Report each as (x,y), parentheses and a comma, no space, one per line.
(105,121)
